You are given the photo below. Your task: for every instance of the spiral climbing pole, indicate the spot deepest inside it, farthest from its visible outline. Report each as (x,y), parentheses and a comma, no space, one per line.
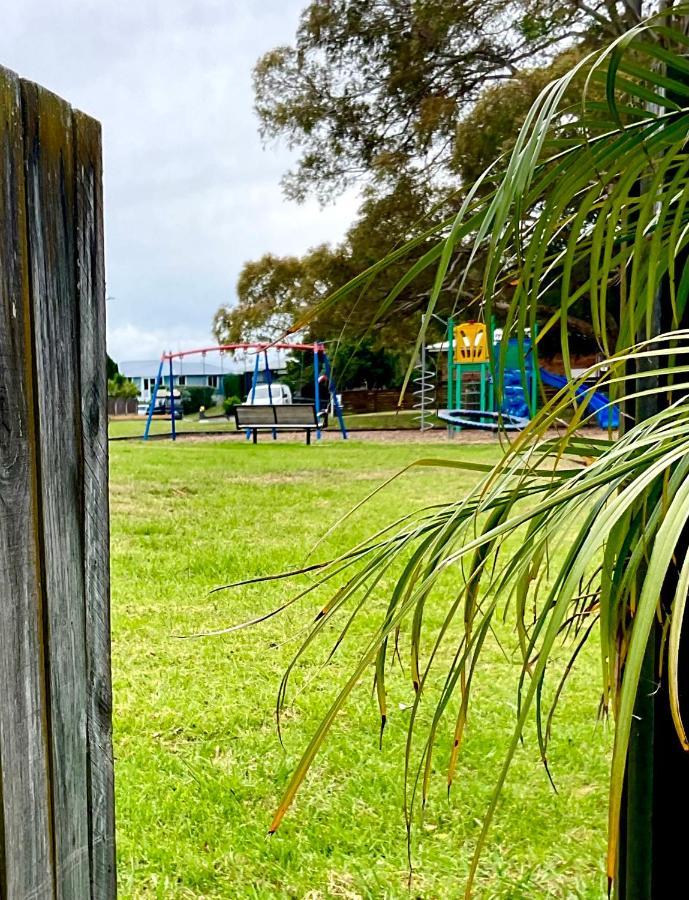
(424,384)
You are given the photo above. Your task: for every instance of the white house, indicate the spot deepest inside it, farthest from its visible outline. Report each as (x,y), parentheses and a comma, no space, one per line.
(197,370)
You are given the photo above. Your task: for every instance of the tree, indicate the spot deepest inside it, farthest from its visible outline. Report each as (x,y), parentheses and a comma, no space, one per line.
(612,198)
(355,364)
(119,386)
(279,295)
(372,90)
(492,125)
(442,89)
(362,364)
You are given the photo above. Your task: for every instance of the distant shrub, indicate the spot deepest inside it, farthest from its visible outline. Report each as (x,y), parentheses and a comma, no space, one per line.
(196,396)
(229,404)
(233,385)
(121,387)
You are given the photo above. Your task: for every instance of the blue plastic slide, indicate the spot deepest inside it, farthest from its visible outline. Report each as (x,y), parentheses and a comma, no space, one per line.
(607,414)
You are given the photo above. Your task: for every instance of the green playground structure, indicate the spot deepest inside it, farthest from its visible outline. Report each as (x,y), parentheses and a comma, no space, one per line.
(472,399)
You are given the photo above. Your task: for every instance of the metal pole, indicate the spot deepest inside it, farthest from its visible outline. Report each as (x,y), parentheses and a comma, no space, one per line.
(269,382)
(316,396)
(450,360)
(173,432)
(269,377)
(254,380)
(151,405)
(423,381)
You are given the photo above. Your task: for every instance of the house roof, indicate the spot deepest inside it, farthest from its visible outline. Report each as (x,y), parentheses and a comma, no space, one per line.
(148,368)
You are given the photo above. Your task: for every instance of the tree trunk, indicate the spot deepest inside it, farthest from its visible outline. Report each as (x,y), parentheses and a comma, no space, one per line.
(652,839)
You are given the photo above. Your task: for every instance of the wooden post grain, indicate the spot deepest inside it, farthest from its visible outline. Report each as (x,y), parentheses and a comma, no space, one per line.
(56,768)
(94,431)
(26,865)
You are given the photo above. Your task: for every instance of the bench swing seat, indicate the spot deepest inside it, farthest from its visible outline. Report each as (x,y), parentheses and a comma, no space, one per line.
(290,417)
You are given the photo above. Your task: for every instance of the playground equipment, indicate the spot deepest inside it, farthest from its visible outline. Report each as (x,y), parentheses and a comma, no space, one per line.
(424,391)
(472,399)
(471,386)
(322,374)
(607,413)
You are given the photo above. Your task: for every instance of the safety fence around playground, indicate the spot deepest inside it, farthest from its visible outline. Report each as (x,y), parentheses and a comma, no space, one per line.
(365,400)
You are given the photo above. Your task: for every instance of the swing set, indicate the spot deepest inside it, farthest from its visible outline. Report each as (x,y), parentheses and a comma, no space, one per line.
(322,373)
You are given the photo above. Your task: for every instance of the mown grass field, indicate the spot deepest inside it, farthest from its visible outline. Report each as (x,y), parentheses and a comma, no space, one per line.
(199,765)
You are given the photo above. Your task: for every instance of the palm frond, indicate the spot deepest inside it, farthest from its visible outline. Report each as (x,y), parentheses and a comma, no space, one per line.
(591,205)
(637,485)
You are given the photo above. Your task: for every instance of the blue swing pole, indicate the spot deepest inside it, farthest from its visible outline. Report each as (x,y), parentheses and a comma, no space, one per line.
(154,395)
(173,430)
(316,395)
(254,382)
(269,382)
(337,409)
(254,379)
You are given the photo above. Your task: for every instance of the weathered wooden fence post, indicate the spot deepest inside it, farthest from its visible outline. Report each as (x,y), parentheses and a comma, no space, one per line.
(56,767)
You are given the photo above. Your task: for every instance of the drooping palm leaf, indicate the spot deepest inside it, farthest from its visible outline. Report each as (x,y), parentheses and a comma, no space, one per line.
(601,189)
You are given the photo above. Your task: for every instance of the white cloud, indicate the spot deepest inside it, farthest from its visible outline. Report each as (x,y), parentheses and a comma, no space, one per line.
(129,341)
(190,192)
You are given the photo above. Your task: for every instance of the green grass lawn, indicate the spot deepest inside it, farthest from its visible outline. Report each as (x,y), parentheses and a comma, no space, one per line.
(199,766)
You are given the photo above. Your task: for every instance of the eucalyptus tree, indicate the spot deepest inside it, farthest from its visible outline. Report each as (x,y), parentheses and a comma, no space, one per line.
(406,100)
(374,89)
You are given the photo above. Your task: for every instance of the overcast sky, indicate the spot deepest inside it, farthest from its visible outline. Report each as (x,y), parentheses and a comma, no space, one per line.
(190,192)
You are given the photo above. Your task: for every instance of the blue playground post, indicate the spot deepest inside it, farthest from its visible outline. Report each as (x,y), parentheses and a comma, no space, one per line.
(172,403)
(316,396)
(269,382)
(533,407)
(154,395)
(450,359)
(254,381)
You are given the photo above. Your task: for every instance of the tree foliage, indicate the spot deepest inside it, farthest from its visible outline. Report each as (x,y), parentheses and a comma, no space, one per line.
(490,128)
(403,98)
(121,387)
(363,364)
(373,89)
(194,396)
(355,364)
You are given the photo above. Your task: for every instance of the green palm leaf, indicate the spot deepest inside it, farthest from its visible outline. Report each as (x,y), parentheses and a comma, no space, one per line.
(602,221)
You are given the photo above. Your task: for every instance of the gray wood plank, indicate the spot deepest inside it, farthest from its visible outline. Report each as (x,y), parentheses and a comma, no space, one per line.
(91,294)
(50,184)
(25,857)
